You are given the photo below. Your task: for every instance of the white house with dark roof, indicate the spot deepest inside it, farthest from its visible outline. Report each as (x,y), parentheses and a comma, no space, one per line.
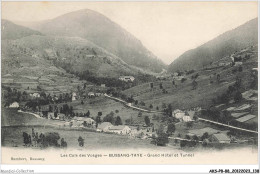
(120,129)
(127,78)
(104,127)
(220,138)
(14,105)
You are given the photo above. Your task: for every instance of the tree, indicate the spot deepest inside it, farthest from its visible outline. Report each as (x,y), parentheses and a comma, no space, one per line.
(98,120)
(161,87)
(82,102)
(218,78)
(183,143)
(194,84)
(187,137)
(238,97)
(157,108)
(129,121)
(52,139)
(160,129)
(189,124)
(140,114)
(173,83)
(195,138)
(118,121)
(195,118)
(88,114)
(171,128)
(109,118)
(81,141)
(183,80)
(151,106)
(63,143)
(147,120)
(151,85)
(163,105)
(162,139)
(205,136)
(168,111)
(100,114)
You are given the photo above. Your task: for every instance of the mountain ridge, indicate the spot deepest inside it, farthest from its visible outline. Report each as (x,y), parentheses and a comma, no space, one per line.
(102,31)
(225,44)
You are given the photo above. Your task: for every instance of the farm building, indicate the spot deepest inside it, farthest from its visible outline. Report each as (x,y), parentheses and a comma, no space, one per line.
(121,129)
(219,138)
(14,105)
(61,116)
(245,118)
(104,127)
(35,95)
(127,78)
(80,121)
(237,115)
(186,118)
(74,95)
(91,94)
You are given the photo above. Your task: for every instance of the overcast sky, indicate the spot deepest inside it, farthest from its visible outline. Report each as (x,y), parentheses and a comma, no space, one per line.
(168,29)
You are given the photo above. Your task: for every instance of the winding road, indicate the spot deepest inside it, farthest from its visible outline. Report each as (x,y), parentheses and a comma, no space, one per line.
(202,119)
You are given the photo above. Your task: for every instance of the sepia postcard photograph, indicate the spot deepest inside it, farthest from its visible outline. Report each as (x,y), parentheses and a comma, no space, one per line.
(129,83)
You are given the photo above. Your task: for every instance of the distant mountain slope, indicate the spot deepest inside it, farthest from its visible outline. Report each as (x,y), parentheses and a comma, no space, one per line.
(103,32)
(13,31)
(74,54)
(225,44)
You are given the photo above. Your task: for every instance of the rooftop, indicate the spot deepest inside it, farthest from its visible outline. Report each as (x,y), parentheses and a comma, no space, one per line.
(221,137)
(245,118)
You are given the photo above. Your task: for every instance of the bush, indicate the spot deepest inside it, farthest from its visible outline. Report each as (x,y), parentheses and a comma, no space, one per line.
(162,139)
(52,138)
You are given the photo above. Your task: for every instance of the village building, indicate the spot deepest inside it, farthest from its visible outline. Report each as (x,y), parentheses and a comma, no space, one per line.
(82,122)
(61,116)
(103,85)
(178,114)
(245,118)
(14,105)
(178,77)
(74,95)
(98,94)
(50,115)
(35,95)
(104,127)
(186,118)
(121,129)
(91,94)
(175,74)
(219,138)
(127,78)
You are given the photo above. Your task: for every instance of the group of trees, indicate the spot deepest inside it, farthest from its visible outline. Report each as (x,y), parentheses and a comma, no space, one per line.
(234,91)
(112,119)
(49,139)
